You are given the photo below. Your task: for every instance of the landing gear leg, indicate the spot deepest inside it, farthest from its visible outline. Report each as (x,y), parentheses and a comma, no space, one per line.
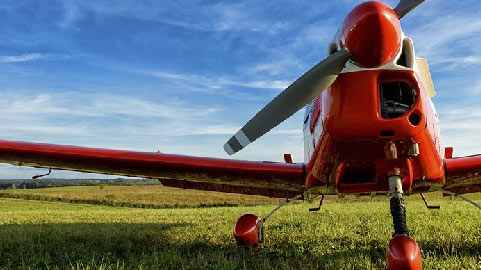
(402,251)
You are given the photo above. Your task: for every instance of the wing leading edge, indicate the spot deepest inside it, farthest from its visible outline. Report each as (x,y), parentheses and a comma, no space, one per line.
(463,174)
(225,175)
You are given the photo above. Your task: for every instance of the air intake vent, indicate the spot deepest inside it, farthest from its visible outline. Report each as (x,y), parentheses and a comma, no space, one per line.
(359,172)
(396,99)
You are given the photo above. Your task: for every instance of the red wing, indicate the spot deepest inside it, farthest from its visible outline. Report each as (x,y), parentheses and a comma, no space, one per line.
(225,175)
(463,174)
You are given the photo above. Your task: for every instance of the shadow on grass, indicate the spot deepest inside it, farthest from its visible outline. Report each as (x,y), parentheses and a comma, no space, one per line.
(63,245)
(177,245)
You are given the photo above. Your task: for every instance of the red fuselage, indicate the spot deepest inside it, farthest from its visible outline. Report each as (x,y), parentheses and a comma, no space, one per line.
(349,127)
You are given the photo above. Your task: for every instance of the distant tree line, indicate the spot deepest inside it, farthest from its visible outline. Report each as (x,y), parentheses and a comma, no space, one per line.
(57,182)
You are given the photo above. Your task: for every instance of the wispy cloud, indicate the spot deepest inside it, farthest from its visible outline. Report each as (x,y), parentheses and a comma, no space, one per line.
(206,17)
(70,15)
(282,65)
(460,128)
(17,172)
(219,82)
(449,40)
(95,105)
(50,129)
(32,57)
(241,16)
(107,121)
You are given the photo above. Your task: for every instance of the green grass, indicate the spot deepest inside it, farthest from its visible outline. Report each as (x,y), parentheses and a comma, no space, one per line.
(349,235)
(153,196)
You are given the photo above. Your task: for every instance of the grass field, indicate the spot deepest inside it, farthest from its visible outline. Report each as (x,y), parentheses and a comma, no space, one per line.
(154,196)
(343,235)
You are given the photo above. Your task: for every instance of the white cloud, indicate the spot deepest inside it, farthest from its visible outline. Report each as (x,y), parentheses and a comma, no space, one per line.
(292,131)
(206,17)
(449,40)
(218,83)
(242,16)
(273,68)
(70,15)
(16,104)
(101,120)
(17,172)
(461,129)
(21,58)
(183,129)
(32,57)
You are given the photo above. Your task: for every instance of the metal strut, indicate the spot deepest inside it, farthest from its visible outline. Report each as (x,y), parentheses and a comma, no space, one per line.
(461,197)
(42,175)
(281,205)
(427,204)
(315,209)
(398,210)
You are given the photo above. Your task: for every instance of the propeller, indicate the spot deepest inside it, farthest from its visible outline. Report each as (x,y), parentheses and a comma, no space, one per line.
(300,93)
(405,6)
(289,101)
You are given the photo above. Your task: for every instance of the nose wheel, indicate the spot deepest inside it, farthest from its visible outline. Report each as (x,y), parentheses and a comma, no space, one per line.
(402,251)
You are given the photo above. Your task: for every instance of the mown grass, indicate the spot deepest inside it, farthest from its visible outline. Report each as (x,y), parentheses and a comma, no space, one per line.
(352,235)
(153,196)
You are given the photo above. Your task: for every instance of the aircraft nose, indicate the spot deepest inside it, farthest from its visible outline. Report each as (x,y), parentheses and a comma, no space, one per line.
(372,33)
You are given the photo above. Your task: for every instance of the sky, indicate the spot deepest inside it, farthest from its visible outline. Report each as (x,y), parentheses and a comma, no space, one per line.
(183,76)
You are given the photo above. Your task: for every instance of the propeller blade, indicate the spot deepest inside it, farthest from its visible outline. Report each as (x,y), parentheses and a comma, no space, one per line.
(405,6)
(289,101)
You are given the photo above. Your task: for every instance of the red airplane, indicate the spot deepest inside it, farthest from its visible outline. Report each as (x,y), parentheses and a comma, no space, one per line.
(370,126)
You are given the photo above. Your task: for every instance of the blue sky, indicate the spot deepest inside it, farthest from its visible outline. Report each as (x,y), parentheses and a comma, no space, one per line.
(183,76)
